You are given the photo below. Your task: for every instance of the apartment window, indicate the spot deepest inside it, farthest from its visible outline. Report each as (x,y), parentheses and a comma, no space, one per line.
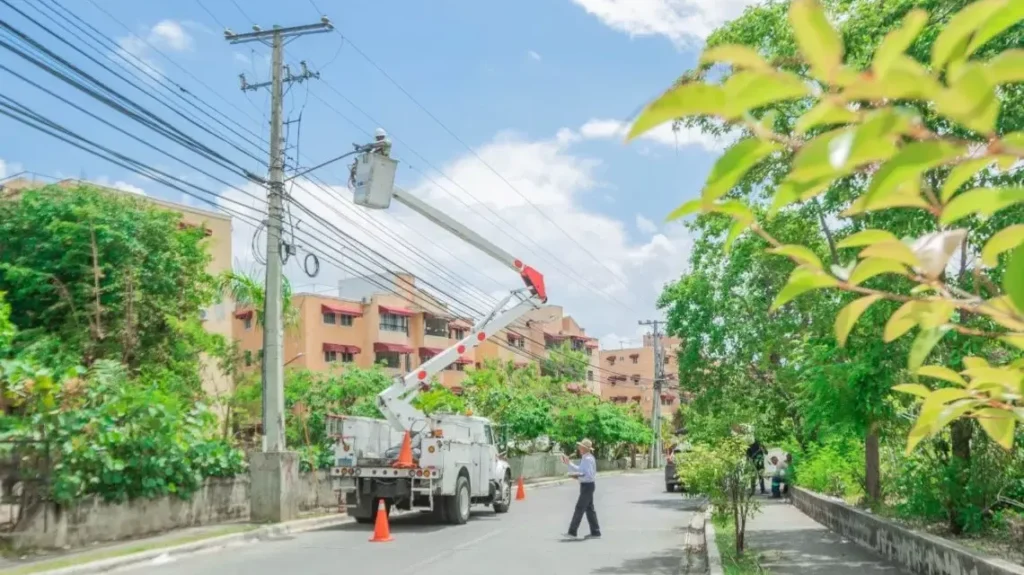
(247,322)
(391,359)
(248,357)
(331,318)
(458,333)
(590,375)
(336,356)
(635,358)
(435,326)
(456,367)
(516,341)
(588,351)
(391,322)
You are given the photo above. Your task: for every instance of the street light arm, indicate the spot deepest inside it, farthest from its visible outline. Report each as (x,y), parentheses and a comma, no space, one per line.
(328,162)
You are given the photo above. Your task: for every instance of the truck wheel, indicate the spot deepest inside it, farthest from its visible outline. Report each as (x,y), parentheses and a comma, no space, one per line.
(505,499)
(458,505)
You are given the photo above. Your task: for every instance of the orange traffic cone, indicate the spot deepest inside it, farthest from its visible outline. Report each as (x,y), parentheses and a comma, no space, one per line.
(381,530)
(521,490)
(405,454)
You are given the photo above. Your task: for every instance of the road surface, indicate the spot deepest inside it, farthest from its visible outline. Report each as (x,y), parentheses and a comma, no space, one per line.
(642,529)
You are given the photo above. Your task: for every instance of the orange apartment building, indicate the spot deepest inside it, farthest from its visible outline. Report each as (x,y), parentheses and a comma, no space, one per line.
(536,334)
(628,375)
(217,318)
(364,323)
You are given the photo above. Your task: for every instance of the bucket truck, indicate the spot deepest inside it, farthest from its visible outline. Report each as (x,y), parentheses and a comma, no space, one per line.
(455,460)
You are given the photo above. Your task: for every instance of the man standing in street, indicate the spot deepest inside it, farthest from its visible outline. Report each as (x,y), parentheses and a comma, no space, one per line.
(585,473)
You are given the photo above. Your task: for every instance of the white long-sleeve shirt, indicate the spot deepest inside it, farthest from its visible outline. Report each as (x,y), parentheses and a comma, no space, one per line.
(587,468)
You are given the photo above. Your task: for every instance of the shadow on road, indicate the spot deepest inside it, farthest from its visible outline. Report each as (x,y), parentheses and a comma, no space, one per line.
(664,562)
(677,503)
(411,523)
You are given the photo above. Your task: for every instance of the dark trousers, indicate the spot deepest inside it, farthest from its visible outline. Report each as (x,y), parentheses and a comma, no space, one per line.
(585,505)
(754,480)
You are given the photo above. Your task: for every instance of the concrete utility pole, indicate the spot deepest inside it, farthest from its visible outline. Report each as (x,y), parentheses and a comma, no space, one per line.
(659,377)
(275,470)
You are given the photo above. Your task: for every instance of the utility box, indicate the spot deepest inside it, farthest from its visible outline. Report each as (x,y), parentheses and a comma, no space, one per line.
(375,181)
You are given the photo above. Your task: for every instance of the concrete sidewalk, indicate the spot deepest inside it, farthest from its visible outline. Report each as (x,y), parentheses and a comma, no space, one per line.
(791,543)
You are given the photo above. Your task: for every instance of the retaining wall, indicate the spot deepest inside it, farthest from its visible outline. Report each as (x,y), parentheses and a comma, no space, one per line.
(917,552)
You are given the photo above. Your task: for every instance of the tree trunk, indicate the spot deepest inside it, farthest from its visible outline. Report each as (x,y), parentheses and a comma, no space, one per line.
(961,432)
(872,471)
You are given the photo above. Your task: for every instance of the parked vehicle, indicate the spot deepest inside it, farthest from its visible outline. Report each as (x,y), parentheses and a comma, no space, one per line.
(443,463)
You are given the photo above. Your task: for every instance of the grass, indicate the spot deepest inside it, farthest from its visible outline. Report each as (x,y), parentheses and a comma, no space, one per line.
(725,538)
(82,558)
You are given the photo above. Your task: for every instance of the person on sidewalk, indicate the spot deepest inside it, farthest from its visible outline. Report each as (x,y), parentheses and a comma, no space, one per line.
(756,453)
(586,474)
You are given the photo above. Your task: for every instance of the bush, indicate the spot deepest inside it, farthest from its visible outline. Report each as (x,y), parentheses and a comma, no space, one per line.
(835,467)
(722,472)
(116,437)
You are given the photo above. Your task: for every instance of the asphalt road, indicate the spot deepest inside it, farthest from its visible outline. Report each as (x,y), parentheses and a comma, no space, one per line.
(642,529)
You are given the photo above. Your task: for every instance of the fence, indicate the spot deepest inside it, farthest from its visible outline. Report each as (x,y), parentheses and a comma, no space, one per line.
(25,473)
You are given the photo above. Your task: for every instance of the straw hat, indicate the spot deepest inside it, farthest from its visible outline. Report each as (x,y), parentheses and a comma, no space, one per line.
(586,444)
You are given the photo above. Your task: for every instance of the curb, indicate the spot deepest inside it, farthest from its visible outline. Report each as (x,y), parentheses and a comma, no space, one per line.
(694,560)
(258,534)
(714,556)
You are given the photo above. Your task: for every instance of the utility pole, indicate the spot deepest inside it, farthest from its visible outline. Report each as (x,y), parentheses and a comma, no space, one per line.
(275,470)
(659,377)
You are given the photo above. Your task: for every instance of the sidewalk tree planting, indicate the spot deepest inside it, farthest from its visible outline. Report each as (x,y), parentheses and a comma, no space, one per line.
(723,473)
(897,134)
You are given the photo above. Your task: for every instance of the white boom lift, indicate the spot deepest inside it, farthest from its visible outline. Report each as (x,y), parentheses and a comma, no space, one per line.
(455,461)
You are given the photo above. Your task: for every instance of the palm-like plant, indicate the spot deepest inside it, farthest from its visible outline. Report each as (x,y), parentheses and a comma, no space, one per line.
(248,292)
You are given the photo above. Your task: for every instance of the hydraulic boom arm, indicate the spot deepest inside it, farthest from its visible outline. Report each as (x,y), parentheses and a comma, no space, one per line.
(373,179)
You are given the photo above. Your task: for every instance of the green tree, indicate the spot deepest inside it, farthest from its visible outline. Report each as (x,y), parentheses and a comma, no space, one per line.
(249,292)
(91,275)
(565,364)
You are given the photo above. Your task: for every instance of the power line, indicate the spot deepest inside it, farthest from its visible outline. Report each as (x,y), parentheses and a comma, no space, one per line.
(471,150)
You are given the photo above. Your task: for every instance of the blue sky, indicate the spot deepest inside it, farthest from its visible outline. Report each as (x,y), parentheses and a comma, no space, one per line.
(539,89)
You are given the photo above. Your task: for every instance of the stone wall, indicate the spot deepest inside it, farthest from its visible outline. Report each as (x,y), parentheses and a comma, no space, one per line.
(917,552)
(95,521)
(539,465)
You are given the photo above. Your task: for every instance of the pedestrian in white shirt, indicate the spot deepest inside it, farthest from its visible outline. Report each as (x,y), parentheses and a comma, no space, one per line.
(586,473)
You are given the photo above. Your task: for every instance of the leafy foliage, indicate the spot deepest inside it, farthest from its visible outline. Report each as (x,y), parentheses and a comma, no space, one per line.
(910,139)
(93,274)
(112,436)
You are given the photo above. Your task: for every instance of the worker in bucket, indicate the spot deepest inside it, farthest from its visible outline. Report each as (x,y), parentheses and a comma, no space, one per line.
(381,145)
(586,473)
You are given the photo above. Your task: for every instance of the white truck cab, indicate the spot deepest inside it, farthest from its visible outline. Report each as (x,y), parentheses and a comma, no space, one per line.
(455,458)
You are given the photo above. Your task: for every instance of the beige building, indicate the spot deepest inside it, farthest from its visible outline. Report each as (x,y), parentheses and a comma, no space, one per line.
(364,323)
(627,375)
(217,318)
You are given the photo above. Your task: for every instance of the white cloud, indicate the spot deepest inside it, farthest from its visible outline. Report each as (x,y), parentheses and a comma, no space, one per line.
(166,35)
(169,34)
(606,296)
(645,225)
(681,21)
(599,129)
(533,55)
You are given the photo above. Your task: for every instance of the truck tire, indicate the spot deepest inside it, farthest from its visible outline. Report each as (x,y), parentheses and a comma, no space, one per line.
(458,504)
(505,500)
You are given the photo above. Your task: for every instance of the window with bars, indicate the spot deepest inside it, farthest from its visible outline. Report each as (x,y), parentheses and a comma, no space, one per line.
(456,367)
(339,356)
(458,333)
(590,375)
(391,322)
(247,322)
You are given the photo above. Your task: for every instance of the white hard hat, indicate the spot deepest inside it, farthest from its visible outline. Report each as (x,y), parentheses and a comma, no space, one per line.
(380,133)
